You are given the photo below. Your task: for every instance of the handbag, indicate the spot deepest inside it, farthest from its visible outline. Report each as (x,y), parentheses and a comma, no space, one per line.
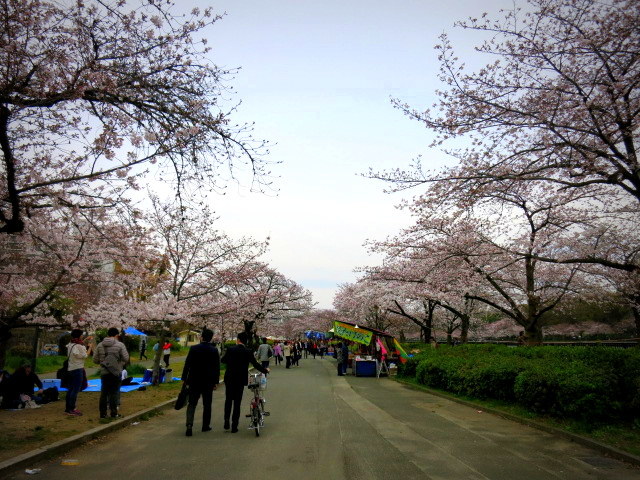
(85,381)
(182,397)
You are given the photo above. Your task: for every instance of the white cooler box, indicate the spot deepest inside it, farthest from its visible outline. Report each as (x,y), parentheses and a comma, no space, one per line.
(51,382)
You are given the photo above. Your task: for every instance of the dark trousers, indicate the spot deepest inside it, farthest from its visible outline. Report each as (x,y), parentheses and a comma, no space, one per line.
(109,394)
(195,391)
(265,364)
(233,398)
(288,362)
(143,353)
(74,381)
(166,359)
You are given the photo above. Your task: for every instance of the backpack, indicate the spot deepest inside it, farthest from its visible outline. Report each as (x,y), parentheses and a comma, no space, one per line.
(111,364)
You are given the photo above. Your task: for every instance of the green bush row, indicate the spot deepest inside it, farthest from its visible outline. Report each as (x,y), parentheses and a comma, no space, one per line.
(588,383)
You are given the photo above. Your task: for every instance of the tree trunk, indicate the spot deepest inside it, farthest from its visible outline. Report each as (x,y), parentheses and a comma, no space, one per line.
(34,348)
(464,328)
(5,336)
(636,315)
(533,334)
(426,331)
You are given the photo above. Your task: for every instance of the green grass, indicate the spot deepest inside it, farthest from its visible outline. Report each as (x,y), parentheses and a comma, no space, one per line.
(44,364)
(624,436)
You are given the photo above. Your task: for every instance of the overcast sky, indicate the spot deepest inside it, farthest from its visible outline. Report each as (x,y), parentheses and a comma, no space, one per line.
(317,77)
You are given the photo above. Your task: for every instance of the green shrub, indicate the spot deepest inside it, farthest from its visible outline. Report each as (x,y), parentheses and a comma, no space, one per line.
(408,369)
(136,369)
(588,383)
(493,380)
(574,390)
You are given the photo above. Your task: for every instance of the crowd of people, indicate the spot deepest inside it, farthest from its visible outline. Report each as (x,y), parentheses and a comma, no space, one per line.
(201,373)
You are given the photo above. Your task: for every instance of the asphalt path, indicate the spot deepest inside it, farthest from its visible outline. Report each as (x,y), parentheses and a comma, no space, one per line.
(327,427)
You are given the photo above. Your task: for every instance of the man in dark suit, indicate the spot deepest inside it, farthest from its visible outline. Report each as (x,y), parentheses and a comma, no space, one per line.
(236,377)
(202,374)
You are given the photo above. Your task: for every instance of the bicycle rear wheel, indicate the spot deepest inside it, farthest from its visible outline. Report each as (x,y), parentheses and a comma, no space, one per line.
(255,419)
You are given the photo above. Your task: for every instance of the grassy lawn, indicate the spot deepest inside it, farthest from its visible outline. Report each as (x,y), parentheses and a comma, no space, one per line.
(623,436)
(25,430)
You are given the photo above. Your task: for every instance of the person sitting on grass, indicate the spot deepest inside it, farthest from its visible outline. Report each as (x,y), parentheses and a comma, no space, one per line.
(22,387)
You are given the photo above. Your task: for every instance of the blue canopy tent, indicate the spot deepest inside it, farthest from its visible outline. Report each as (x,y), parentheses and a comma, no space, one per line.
(133,331)
(316,335)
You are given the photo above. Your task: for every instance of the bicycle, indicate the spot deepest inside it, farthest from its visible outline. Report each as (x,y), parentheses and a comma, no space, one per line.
(257,383)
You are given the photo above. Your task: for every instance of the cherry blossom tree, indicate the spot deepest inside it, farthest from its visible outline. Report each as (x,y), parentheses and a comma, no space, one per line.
(369,303)
(491,247)
(95,92)
(557,104)
(268,298)
(68,254)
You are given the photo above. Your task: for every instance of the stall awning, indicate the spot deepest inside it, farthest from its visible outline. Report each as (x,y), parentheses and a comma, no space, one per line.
(353,333)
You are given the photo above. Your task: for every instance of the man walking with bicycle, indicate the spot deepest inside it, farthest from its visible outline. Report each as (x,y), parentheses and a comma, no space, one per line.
(236,377)
(201,373)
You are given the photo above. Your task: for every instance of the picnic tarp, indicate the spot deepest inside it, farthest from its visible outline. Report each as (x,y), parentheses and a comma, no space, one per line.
(95,385)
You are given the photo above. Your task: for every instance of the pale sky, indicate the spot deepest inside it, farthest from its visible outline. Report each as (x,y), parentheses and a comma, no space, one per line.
(317,77)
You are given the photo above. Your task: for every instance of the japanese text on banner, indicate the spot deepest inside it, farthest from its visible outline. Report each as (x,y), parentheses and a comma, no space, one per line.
(351,333)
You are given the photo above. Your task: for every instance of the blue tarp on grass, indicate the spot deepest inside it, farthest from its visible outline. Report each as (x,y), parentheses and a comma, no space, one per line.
(95,385)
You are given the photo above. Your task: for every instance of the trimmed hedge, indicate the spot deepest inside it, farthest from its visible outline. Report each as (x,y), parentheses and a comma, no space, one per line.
(588,383)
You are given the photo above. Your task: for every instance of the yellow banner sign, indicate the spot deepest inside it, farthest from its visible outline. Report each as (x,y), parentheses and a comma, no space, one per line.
(352,333)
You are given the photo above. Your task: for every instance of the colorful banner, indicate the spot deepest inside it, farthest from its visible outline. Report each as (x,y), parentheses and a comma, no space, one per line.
(352,333)
(383,351)
(400,351)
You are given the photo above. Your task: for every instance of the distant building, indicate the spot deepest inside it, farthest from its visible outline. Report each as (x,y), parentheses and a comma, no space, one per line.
(187,338)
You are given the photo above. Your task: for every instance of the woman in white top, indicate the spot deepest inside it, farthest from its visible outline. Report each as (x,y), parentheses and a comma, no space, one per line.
(76,352)
(287,353)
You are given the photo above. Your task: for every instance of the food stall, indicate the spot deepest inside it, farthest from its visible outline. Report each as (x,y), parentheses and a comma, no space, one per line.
(377,352)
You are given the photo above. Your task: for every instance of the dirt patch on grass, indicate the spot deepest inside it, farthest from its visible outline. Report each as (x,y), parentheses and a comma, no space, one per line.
(25,430)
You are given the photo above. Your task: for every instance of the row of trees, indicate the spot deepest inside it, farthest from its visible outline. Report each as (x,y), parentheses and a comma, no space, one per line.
(89,269)
(540,203)
(98,98)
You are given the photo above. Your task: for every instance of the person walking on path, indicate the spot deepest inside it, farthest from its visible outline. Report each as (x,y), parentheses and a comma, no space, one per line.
(237,359)
(166,352)
(339,358)
(297,353)
(264,353)
(201,374)
(345,356)
(77,353)
(112,356)
(277,353)
(143,347)
(287,354)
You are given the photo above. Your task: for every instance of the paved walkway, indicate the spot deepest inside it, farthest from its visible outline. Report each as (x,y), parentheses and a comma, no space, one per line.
(327,427)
